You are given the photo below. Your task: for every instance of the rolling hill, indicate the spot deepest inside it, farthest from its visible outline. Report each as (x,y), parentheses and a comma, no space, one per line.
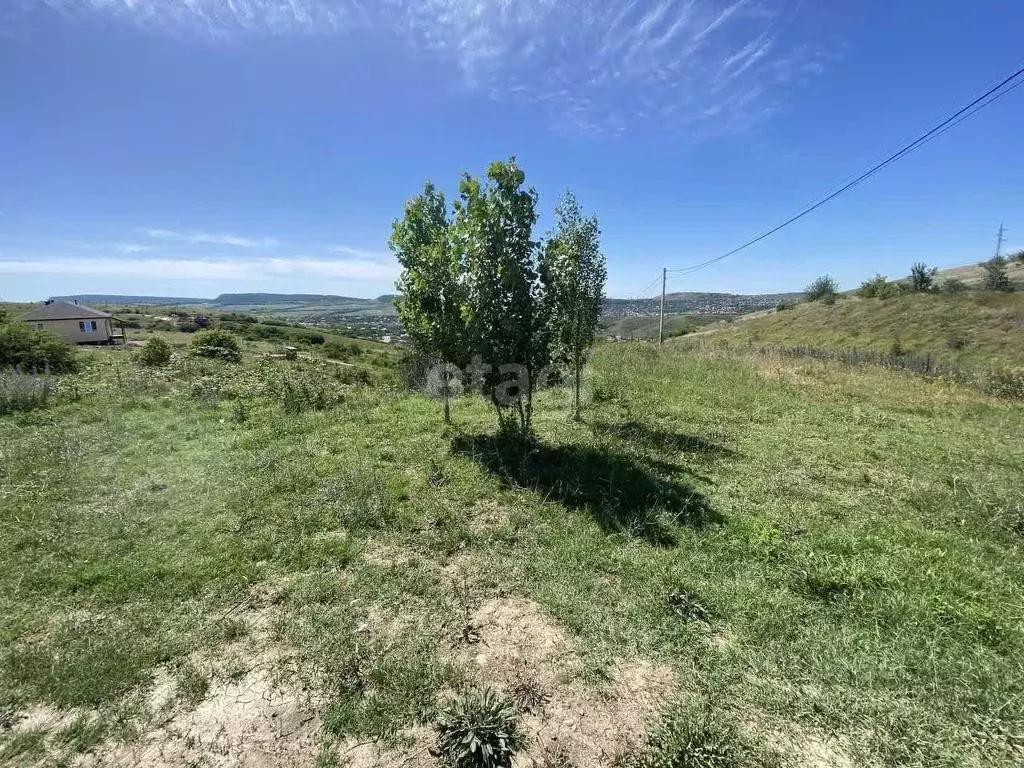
(970,329)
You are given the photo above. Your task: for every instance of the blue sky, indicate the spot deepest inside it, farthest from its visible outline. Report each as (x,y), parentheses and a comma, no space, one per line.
(193,147)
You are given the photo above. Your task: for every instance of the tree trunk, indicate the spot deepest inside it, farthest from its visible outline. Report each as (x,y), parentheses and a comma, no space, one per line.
(447,406)
(576,392)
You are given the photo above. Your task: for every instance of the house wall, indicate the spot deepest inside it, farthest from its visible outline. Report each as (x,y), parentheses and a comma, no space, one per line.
(69,330)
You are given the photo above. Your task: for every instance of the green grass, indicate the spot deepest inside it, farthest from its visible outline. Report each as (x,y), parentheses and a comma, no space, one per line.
(976,329)
(807,546)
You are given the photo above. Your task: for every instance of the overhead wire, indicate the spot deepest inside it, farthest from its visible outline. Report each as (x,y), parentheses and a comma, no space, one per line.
(993,94)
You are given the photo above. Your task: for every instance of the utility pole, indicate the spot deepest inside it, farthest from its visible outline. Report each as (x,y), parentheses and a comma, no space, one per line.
(999,240)
(661,322)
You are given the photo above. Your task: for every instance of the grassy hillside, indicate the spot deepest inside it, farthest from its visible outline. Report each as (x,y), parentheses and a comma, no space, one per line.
(973,329)
(773,564)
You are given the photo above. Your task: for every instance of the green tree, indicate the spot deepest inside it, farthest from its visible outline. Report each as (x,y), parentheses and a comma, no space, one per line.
(432,294)
(824,289)
(504,308)
(922,277)
(572,272)
(996,278)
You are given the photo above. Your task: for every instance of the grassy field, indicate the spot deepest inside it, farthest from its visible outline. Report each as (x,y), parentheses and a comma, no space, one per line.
(973,329)
(729,563)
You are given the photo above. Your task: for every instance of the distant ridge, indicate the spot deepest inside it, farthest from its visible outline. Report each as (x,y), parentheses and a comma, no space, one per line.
(102,298)
(225,299)
(242,299)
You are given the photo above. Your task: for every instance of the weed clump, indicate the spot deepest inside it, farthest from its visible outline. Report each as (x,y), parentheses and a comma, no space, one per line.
(687,606)
(24,392)
(694,739)
(479,730)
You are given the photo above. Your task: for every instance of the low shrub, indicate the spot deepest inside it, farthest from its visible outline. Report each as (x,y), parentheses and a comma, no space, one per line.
(156,352)
(996,278)
(952,285)
(337,350)
(784,306)
(479,730)
(825,289)
(216,344)
(24,392)
(878,288)
(1008,383)
(298,394)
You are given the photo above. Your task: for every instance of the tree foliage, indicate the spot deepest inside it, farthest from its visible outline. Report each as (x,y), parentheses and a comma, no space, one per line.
(922,277)
(29,350)
(505,321)
(825,289)
(478,291)
(432,302)
(996,278)
(573,274)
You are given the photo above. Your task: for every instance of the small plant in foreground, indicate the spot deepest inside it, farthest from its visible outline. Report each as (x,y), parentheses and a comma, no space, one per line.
(825,289)
(527,693)
(688,606)
(694,739)
(479,730)
(155,352)
(217,344)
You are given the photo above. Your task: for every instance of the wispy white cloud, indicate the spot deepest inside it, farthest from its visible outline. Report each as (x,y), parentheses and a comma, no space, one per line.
(593,66)
(239,269)
(210,239)
(360,253)
(132,248)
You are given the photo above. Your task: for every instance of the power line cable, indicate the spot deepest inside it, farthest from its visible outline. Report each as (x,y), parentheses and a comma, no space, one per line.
(938,130)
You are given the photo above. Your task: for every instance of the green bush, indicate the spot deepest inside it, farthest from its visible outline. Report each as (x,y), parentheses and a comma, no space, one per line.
(922,277)
(35,351)
(825,289)
(996,278)
(784,306)
(217,344)
(878,288)
(952,285)
(337,350)
(479,730)
(155,352)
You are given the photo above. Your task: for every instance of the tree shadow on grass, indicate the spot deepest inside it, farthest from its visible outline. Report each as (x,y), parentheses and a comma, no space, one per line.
(638,432)
(623,494)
